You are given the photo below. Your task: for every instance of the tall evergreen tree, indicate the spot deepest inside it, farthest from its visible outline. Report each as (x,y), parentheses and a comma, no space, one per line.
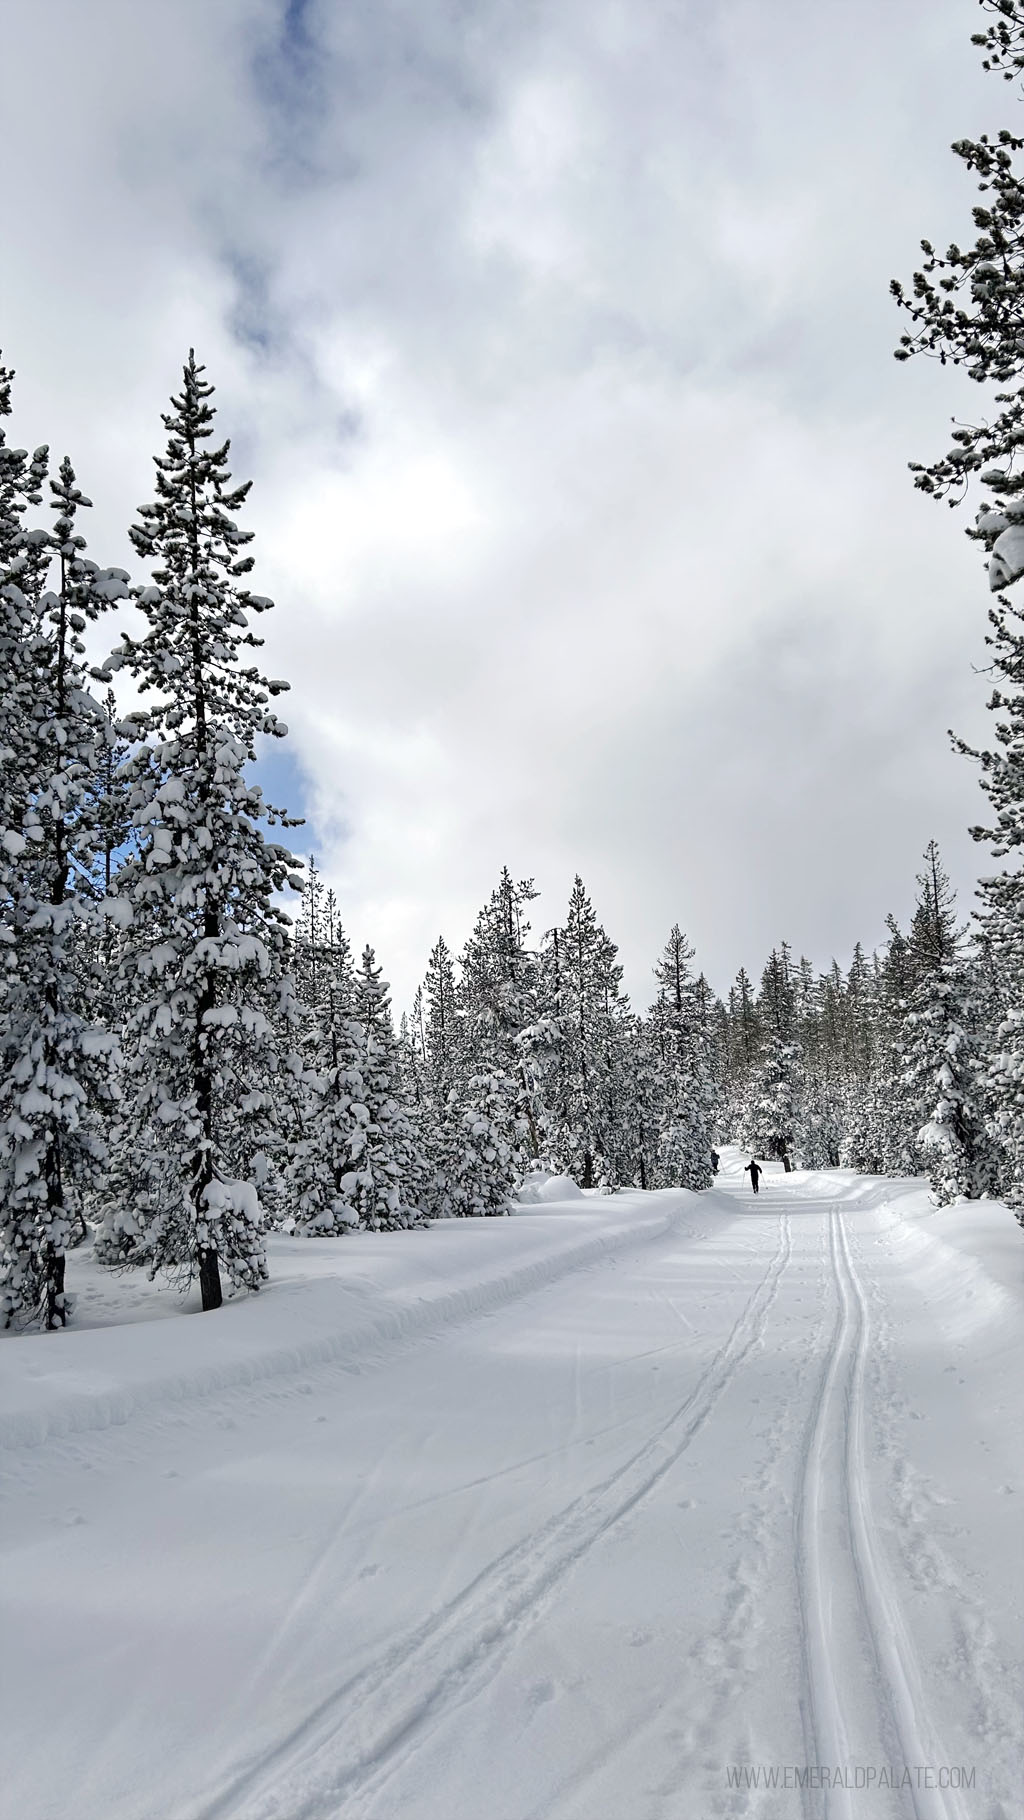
(389,1184)
(775,1106)
(688,1104)
(965,309)
(489,1152)
(55,1056)
(327,1134)
(499,1000)
(892,1117)
(943,1063)
(207,954)
(443,1042)
(441,1037)
(742,1046)
(590,1113)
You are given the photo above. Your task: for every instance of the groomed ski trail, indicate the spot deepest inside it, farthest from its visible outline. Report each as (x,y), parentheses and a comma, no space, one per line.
(580,1516)
(356,1738)
(836,1428)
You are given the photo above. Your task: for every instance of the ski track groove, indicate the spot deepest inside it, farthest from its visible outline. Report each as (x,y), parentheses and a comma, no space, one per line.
(897,1679)
(989,1682)
(374,1719)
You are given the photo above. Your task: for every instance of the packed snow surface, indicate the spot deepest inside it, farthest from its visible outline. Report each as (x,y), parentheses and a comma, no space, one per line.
(648,1507)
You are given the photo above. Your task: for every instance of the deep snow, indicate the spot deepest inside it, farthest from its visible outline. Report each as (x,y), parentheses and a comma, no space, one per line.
(590,1514)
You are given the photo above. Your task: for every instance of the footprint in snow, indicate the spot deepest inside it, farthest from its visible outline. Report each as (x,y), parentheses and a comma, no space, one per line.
(367,1573)
(540,1693)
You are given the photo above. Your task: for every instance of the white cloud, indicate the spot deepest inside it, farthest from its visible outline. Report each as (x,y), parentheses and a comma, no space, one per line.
(557,340)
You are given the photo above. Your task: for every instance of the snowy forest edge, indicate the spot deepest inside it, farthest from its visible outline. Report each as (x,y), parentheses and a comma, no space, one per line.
(185,1067)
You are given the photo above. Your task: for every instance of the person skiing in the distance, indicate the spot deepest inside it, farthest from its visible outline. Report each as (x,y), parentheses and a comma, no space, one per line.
(753,1169)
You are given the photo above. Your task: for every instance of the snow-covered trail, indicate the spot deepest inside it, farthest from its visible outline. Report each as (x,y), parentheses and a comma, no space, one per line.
(721,1496)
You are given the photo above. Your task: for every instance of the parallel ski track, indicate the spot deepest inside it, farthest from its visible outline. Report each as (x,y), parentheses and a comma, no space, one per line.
(355,1739)
(839,1407)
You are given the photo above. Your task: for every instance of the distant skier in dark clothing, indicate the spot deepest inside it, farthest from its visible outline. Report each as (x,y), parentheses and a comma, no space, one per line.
(714,1162)
(753,1169)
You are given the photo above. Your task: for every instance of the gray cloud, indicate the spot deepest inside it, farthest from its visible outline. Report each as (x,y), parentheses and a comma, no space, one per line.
(558,342)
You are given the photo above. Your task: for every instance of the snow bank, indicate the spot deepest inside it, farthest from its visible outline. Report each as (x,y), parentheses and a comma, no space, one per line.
(541,1188)
(328,1300)
(969,1257)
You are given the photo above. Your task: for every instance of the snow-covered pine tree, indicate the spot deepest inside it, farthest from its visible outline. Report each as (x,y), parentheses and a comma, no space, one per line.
(640,1116)
(943,1065)
(817,1021)
(55,1055)
(965,309)
(711,1026)
(328,1133)
(499,1000)
(28,1264)
(861,1146)
(441,1040)
(688,1108)
(109,800)
(495,1074)
(310,962)
(288,1169)
(489,1153)
(207,954)
(389,1183)
(1001,916)
(743,1040)
(775,1107)
(897,1116)
(590,1108)
(411,1051)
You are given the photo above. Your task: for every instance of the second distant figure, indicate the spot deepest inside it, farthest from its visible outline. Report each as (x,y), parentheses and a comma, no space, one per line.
(753,1169)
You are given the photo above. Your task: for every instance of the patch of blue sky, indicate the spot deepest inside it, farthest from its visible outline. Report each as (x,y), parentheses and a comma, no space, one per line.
(284,786)
(288,74)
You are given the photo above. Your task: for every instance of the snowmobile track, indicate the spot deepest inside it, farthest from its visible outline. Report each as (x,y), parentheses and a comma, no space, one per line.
(343,1753)
(837,1416)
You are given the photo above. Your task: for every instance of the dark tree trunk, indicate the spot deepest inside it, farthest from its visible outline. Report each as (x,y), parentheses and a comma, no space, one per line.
(534,1137)
(209,1268)
(56,1313)
(209,1280)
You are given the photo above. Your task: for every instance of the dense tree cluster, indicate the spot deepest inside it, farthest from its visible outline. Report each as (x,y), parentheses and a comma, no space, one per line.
(966,309)
(182,1066)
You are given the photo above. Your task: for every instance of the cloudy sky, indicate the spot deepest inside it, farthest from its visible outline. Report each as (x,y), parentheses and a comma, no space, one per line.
(556,337)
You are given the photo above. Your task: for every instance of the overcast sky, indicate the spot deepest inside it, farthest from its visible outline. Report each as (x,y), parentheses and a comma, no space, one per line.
(556,337)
